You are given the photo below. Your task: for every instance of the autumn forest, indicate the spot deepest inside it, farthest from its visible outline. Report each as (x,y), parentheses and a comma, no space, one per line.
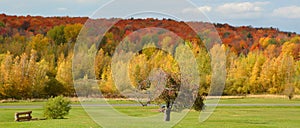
(36,55)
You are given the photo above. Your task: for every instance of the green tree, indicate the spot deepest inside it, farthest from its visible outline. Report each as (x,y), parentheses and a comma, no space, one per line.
(57,34)
(71,32)
(53,87)
(2,25)
(40,44)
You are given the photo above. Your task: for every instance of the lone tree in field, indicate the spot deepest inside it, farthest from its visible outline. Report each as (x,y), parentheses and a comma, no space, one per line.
(169,95)
(173,96)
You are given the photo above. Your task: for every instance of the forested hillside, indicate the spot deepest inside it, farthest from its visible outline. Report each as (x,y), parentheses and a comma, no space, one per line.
(36,56)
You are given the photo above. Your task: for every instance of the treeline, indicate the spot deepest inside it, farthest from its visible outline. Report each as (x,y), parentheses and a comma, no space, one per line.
(40,65)
(33,25)
(259,72)
(241,39)
(265,71)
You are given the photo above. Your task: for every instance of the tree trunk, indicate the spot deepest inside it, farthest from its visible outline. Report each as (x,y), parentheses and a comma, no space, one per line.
(167,114)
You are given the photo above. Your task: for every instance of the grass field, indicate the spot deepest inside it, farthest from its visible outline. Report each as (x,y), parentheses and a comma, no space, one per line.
(223,117)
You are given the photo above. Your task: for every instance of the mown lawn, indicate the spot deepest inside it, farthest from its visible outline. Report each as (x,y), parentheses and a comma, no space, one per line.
(246,117)
(259,101)
(223,117)
(77,119)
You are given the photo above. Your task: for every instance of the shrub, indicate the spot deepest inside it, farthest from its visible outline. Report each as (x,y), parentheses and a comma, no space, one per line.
(57,108)
(289,91)
(54,87)
(199,103)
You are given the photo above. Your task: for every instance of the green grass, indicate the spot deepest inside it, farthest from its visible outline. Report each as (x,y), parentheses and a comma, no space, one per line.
(28,103)
(259,101)
(222,101)
(77,119)
(223,117)
(246,117)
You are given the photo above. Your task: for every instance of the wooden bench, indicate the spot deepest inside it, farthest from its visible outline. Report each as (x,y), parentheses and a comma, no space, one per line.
(23,116)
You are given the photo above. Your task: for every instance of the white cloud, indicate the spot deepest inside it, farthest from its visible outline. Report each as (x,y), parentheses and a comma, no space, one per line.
(204,9)
(80,1)
(291,12)
(88,1)
(62,9)
(242,10)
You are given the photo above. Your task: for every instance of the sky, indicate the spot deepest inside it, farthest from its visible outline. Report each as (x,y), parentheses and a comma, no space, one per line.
(284,15)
